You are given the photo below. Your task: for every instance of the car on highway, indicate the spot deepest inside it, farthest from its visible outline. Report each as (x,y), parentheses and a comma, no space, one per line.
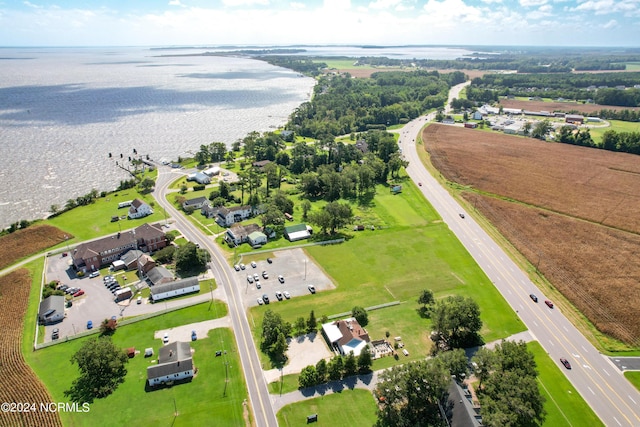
(94,274)
(250,278)
(265,298)
(533,297)
(312,289)
(89,324)
(279,295)
(265,275)
(461,215)
(565,362)
(260,301)
(549,303)
(253,264)
(420,184)
(287,295)
(281,278)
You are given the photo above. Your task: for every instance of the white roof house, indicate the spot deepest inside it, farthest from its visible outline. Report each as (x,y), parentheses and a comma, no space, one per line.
(346,336)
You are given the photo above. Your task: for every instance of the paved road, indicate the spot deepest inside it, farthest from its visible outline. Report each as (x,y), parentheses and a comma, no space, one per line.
(626,363)
(263,412)
(600,383)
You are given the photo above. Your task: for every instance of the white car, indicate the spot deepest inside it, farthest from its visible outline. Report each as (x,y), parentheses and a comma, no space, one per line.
(236,267)
(265,275)
(94,274)
(281,278)
(165,338)
(253,264)
(242,267)
(250,279)
(312,289)
(258,284)
(279,295)
(260,302)
(256,277)
(287,295)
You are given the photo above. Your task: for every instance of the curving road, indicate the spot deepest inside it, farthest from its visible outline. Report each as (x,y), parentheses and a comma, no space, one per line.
(600,383)
(259,398)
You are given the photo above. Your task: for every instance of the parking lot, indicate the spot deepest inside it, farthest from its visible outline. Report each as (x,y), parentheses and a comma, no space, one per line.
(293,264)
(96,304)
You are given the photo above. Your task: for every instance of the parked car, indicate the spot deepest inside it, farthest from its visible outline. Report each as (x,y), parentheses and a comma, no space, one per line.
(258,284)
(265,298)
(256,277)
(79,293)
(242,266)
(312,289)
(165,338)
(281,279)
(260,301)
(94,274)
(139,300)
(193,336)
(115,289)
(63,287)
(55,334)
(250,278)
(533,297)
(72,291)
(236,267)
(287,295)
(107,278)
(269,260)
(279,295)
(253,264)
(565,362)
(265,275)
(89,324)
(549,303)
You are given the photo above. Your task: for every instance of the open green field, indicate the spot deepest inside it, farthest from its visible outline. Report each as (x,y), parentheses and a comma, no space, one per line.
(564,406)
(198,402)
(634,378)
(616,125)
(633,66)
(351,408)
(410,250)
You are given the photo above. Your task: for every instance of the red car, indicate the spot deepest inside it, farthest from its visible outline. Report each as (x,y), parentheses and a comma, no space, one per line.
(549,303)
(565,362)
(79,293)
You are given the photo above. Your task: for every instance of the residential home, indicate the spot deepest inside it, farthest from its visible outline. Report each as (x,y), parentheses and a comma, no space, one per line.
(346,336)
(228,216)
(139,209)
(51,310)
(477,115)
(238,234)
(160,275)
(257,239)
(193,204)
(210,211)
(175,288)
(175,363)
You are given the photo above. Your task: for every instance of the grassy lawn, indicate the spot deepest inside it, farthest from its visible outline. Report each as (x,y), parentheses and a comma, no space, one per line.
(94,220)
(410,250)
(198,402)
(564,406)
(356,408)
(634,378)
(616,125)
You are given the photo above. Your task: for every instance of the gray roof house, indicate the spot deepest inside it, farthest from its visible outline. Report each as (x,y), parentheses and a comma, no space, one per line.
(196,203)
(160,275)
(174,363)
(51,310)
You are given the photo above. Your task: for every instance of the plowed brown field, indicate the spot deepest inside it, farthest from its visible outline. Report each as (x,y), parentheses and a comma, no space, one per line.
(572,210)
(18,383)
(27,242)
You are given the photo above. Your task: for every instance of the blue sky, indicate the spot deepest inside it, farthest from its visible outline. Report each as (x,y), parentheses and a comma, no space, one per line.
(276,22)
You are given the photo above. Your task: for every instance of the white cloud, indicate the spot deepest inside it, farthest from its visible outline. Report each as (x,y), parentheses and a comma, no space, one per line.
(32,5)
(604,7)
(611,24)
(176,3)
(532,3)
(237,3)
(297,6)
(449,13)
(543,11)
(385,4)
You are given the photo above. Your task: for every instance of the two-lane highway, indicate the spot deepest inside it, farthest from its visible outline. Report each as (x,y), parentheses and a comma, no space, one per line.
(605,389)
(259,397)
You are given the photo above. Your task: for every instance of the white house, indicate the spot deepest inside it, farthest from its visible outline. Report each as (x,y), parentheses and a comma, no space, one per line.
(228,216)
(139,209)
(172,289)
(51,310)
(174,364)
(257,238)
(346,336)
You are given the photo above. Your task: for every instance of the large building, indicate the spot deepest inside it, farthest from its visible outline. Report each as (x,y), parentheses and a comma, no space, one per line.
(346,336)
(91,256)
(174,289)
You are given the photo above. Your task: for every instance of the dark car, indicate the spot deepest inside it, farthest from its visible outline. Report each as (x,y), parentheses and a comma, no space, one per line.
(265,298)
(269,260)
(89,324)
(549,303)
(565,362)
(193,336)
(461,215)
(533,297)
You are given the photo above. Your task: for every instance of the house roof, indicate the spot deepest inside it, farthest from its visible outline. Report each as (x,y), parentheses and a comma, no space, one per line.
(294,228)
(172,358)
(137,203)
(239,230)
(131,256)
(256,235)
(149,231)
(94,248)
(332,332)
(350,329)
(261,163)
(158,273)
(196,201)
(52,302)
(172,286)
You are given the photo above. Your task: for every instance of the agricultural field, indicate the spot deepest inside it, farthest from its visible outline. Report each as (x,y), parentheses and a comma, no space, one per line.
(18,383)
(571,211)
(29,241)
